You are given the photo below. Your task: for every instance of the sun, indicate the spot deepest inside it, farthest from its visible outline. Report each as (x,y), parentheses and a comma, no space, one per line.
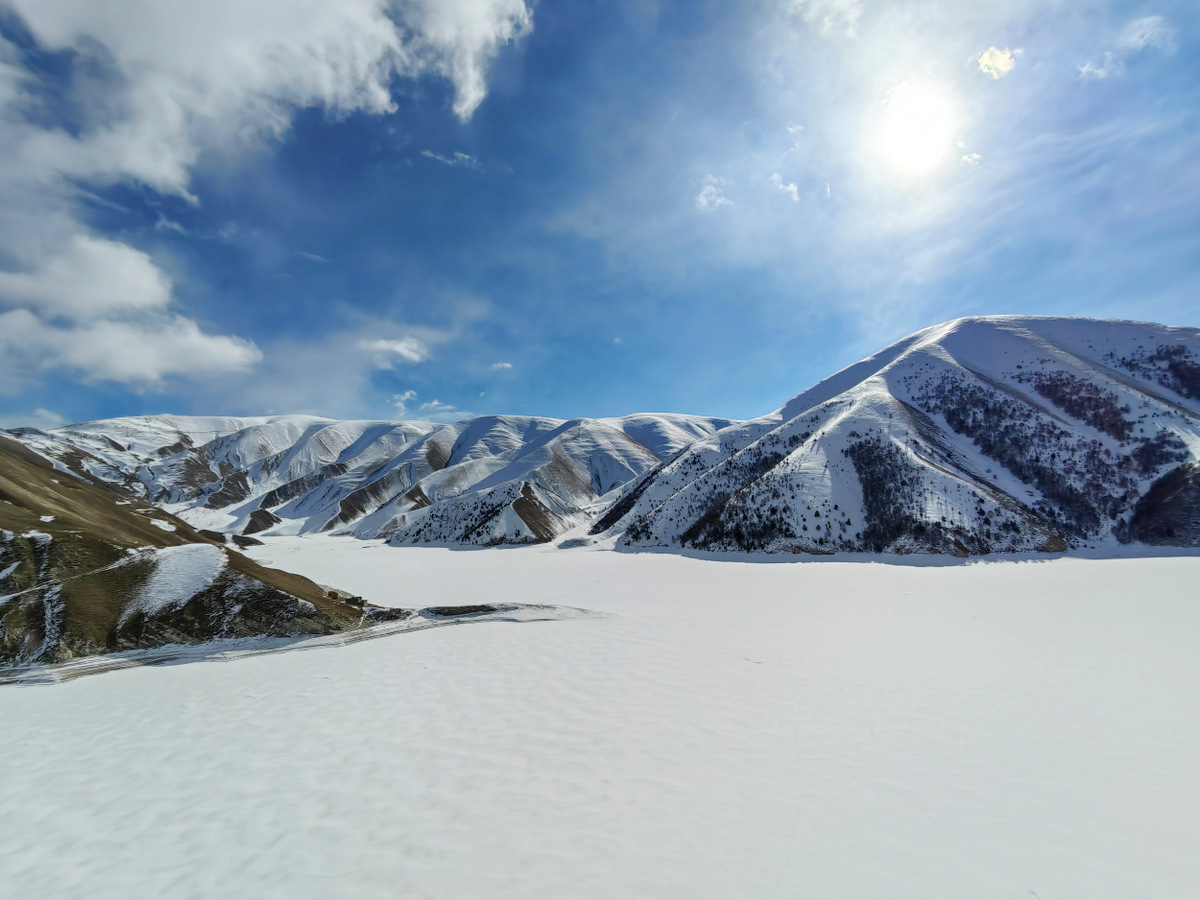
(916,134)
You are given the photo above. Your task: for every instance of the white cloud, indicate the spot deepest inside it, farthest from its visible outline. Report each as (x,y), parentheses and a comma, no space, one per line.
(971,159)
(433,411)
(830,15)
(711,197)
(502,365)
(401,401)
(459,38)
(90,278)
(790,188)
(1149,32)
(389,352)
(141,352)
(162,83)
(1108,63)
(99,310)
(466,160)
(996,62)
(437,411)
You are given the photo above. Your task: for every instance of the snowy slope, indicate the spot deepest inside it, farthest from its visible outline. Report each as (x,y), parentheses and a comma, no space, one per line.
(488,480)
(817,729)
(974,436)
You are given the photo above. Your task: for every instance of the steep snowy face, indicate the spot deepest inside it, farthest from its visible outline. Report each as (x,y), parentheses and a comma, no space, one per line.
(489,480)
(975,436)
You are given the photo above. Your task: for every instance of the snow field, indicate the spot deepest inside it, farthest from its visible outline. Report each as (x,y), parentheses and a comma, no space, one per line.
(735,729)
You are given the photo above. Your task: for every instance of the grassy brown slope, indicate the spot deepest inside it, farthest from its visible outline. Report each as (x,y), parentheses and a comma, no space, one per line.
(93,527)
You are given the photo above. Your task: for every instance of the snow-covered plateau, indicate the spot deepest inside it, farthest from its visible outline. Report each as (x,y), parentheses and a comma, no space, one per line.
(823,729)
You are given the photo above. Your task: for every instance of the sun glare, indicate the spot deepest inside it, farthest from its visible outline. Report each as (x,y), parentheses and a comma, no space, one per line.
(917,131)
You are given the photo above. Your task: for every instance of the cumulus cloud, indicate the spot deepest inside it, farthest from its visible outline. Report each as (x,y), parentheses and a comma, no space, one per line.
(711,197)
(996,62)
(830,16)
(789,188)
(157,85)
(1149,32)
(139,352)
(389,352)
(90,278)
(98,309)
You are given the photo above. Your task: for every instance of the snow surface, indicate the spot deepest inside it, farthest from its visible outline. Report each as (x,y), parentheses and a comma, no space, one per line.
(735,729)
(180,574)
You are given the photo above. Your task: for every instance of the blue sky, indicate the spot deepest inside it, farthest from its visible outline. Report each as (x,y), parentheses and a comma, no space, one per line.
(439,208)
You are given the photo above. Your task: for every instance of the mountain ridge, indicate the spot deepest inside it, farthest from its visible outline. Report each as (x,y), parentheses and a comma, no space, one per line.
(486,480)
(1019,422)
(976,435)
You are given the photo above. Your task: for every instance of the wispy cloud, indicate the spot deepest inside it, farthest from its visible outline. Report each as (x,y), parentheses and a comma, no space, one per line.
(501,365)
(1149,32)
(389,352)
(830,16)
(788,188)
(431,411)
(400,402)
(711,196)
(311,257)
(464,160)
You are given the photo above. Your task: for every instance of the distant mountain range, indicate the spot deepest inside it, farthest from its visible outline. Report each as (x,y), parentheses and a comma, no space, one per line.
(483,481)
(975,436)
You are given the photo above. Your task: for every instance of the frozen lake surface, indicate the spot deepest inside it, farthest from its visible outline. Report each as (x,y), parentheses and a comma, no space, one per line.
(733,729)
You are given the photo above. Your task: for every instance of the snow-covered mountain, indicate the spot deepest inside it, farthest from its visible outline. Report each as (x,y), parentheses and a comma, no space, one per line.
(974,436)
(488,480)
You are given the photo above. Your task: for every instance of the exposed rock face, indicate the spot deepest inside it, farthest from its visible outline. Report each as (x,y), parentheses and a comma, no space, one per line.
(976,436)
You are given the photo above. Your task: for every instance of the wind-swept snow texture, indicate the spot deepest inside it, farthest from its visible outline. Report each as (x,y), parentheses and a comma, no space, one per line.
(488,480)
(976,436)
(826,730)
